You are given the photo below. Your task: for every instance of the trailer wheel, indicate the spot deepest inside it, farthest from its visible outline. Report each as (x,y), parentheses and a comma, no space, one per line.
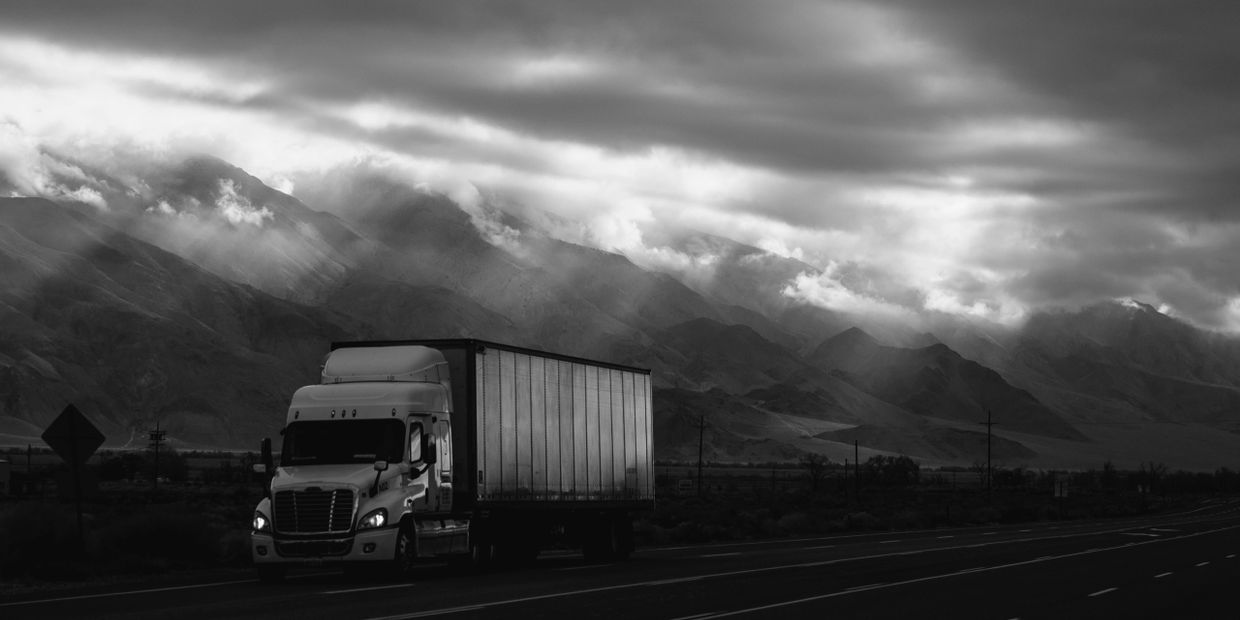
(622,537)
(406,551)
(607,538)
(481,551)
(271,573)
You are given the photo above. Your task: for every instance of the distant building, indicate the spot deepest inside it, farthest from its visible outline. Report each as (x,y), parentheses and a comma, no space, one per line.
(5,468)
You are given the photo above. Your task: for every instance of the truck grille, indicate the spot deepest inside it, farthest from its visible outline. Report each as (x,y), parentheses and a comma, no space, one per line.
(313,548)
(313,511)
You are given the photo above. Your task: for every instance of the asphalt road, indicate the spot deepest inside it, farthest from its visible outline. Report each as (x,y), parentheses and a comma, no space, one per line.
(1170,566)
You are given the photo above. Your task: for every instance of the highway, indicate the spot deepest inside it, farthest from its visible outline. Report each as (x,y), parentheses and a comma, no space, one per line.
(1170,566)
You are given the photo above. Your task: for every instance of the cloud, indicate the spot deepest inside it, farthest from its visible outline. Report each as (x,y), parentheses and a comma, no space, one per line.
(236,209)
(979,170)
(830,290)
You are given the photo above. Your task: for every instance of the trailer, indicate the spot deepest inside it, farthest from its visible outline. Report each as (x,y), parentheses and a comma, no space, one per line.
(427,448)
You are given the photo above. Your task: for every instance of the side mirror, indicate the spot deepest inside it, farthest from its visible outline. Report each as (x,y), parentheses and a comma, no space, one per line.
(380,467)
(267,464)
(268,461)
(429,453)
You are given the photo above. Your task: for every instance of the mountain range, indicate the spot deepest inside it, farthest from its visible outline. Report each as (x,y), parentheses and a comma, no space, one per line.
(196,297)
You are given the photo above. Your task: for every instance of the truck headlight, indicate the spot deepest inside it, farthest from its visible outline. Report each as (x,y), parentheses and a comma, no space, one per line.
(261,522)
(373,519)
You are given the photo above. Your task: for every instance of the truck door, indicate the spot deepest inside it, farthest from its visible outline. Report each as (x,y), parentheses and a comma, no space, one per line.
(443,467)
(418,466)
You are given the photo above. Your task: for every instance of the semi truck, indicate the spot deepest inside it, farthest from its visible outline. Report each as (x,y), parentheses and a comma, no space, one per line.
(416,449)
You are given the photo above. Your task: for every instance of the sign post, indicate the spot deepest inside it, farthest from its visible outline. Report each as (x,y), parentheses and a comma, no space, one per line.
(74,438)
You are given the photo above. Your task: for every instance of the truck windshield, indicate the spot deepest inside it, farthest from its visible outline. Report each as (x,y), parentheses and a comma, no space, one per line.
(343,441)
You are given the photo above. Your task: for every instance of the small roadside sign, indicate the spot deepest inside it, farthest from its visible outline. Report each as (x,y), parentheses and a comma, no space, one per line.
(72,436)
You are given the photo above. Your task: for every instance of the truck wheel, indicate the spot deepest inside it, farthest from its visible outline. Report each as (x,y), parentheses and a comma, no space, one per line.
(481,552)
(270,573)
(406,551)
(596,542)
(621,537)
(607,539)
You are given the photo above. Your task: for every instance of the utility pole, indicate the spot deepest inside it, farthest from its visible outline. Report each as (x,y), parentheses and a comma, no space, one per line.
(857,469)
(989,472)
(157,437)
(701,434)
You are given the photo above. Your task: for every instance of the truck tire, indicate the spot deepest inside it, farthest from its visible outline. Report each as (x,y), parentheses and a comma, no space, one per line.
(406,554)
(481,552)
(271,573)
(607,538)
(514,552)
(621,537)
(596,540)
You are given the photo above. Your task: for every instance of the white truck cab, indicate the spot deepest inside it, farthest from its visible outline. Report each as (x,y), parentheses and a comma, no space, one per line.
(365,458)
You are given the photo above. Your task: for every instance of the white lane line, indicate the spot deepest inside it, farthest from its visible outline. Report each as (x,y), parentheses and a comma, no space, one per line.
(399,585)
(803,565)
(989,533)
(586,567)
(774,542)
(1024,531)
(820,547)
(664,582)
(695,616)
(1200,564)
(719,555)
(949,575)
(942,537)
(1161,575)
(1230,556)
(1140,534)
(887,542)
(1163,529)
(872,586)
(128,592)
(1101,592)
(436,612)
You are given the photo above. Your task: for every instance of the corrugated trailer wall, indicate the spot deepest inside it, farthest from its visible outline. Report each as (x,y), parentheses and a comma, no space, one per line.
(553,429)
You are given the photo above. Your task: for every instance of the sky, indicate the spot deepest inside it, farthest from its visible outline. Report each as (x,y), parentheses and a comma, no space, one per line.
(978,158)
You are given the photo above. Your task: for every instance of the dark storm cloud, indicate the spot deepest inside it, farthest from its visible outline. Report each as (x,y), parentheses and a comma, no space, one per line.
(763,85)
(1161,72)
(1027,153)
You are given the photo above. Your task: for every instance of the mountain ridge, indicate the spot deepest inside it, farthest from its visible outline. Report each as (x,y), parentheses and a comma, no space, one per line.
(142,329)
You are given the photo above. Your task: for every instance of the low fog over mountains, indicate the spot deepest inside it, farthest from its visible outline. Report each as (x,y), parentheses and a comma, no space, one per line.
(198,297)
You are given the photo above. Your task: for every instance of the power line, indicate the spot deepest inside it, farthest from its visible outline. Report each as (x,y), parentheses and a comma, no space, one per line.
(990,474)
(701,426)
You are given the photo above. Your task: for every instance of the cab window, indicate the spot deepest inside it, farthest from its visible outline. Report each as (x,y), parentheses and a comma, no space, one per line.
(415,442)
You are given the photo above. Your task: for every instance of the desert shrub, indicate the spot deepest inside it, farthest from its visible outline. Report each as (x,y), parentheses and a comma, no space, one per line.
(234,548)
(861,521)
(159,539)
(910,518)
(796,523)
(985,514)
(40,540)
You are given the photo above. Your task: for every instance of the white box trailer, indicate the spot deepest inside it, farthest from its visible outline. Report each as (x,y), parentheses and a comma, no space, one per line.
(462,446)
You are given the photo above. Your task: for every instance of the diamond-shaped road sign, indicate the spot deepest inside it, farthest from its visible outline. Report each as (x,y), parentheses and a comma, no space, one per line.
(72,436)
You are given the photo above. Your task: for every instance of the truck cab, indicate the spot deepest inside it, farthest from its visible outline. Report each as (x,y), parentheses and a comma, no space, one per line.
(364,472)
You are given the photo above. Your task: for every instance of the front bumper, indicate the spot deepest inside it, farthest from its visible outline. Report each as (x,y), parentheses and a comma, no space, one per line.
(375,545)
